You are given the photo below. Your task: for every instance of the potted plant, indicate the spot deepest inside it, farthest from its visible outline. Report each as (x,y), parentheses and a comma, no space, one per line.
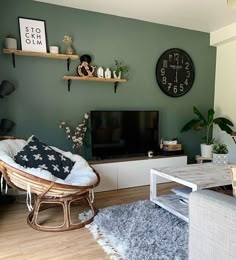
(119,69)
(10,42)
(206,123)
(220,154)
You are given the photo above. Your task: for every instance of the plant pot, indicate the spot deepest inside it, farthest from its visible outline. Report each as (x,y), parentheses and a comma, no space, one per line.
(10,43)
(220,159)
(206,150)
(117,76)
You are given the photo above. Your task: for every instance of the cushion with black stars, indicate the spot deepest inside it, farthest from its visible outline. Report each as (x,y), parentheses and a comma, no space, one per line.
(39,155)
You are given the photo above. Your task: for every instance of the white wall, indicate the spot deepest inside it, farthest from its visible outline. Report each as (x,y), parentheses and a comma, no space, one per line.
(225,87)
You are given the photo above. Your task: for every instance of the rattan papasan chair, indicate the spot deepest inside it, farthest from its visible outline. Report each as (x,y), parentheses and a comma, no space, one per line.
(48,190)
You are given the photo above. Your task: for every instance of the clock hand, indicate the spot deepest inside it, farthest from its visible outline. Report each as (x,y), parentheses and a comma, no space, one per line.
(176,73)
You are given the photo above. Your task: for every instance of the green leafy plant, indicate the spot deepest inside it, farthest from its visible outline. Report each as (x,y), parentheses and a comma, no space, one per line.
(120,68)
(206,123)
(220,149)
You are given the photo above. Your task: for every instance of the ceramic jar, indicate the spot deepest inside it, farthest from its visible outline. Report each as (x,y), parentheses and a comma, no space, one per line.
(10,43)
(54,49)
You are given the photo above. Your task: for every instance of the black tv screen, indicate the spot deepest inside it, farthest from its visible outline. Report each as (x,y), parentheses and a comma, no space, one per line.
(123,133)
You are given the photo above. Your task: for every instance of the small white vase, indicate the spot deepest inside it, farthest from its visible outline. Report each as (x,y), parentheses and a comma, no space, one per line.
(206,150)
(220,159)
(107,73)
(10,43)
(100,72)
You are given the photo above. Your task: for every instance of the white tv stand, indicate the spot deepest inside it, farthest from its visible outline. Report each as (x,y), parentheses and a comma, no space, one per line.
(131,172)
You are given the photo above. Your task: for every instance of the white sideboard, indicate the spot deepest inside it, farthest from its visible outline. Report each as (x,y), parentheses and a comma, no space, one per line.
(133,172)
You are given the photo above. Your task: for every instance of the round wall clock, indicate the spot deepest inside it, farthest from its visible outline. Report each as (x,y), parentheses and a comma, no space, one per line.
(175,72)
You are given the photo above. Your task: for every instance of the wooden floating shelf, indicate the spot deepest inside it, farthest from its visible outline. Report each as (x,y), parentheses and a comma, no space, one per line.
(111,80)
(41,54)
(94,79)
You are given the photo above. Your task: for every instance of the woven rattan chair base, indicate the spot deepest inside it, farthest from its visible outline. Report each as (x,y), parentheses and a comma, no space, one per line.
(42,204)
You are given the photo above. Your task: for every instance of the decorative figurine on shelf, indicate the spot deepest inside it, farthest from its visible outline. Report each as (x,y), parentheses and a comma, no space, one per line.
(68,42)
(119,68)
(107,73)
(84,69)
(100,73)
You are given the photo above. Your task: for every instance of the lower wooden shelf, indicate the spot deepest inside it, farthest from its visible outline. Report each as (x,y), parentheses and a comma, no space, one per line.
(111,80)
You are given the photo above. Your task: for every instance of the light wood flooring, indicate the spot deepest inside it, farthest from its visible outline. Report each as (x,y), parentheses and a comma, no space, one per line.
(19,241)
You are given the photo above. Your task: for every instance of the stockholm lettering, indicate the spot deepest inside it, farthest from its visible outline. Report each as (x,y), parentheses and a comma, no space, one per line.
(33,36)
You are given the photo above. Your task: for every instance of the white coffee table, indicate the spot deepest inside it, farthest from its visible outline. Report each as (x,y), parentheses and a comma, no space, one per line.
(195,176)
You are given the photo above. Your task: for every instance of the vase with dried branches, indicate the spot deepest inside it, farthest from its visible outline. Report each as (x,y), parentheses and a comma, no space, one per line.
(68,42)
(77,134)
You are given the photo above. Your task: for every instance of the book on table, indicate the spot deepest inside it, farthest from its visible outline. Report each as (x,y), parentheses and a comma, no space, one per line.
(182,192)
(183,200)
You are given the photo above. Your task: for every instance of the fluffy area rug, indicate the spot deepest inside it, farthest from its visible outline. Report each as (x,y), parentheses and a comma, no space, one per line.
(140,231)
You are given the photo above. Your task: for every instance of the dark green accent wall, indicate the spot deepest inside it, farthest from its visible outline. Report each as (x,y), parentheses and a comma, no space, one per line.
(41,98)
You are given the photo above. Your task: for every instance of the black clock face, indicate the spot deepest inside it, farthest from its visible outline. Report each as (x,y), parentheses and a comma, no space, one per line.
(175,72)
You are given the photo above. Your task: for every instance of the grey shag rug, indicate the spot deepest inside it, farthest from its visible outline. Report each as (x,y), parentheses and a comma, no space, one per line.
(140,231)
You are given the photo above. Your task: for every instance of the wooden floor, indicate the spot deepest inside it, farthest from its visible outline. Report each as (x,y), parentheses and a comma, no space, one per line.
(19,241)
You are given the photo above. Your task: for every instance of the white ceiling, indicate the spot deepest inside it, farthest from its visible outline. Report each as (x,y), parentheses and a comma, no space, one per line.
(200,15)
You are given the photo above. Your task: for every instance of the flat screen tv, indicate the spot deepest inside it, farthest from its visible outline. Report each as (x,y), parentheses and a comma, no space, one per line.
(124,133)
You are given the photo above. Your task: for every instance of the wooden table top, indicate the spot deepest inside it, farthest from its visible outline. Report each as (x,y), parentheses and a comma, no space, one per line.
(197,176)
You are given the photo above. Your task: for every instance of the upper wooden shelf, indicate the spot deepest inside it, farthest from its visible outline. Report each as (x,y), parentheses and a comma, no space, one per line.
(111,80)
(41,54)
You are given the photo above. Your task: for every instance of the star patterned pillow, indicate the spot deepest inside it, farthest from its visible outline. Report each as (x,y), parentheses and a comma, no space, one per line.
(39,155)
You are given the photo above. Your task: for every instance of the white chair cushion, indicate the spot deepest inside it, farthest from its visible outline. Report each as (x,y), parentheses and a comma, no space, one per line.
(81,174)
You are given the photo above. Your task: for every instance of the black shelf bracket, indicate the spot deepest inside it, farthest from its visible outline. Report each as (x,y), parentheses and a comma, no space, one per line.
(115,86)
(68,64)
(13,59)
(69,84)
